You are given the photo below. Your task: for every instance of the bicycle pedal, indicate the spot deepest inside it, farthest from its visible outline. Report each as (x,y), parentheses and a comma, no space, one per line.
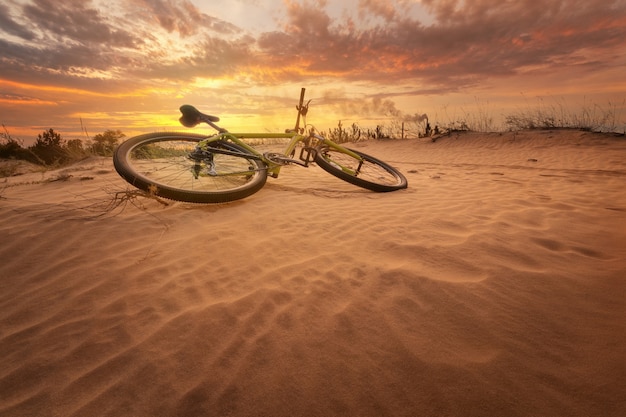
(307,155)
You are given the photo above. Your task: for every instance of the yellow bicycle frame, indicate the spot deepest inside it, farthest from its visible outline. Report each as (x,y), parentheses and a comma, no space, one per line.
(295,138)
(312,143)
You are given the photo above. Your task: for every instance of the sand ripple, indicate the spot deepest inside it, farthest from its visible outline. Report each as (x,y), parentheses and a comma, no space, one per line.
(492,286)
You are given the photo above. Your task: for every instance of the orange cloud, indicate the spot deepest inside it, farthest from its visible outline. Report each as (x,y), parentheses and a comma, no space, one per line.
(97,63)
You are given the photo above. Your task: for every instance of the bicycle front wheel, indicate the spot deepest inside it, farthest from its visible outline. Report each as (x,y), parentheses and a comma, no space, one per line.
(366,171)
(170,165)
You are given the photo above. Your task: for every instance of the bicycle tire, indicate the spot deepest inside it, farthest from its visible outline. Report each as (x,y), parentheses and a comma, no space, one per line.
(368,172)
(162,164)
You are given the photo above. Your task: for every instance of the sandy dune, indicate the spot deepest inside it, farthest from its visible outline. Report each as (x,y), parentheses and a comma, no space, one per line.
(493,286)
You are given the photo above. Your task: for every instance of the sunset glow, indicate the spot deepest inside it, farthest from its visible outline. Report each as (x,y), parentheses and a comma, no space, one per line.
(129,65)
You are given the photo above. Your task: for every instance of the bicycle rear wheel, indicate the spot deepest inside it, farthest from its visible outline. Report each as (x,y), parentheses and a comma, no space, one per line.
(366,172)
(170,165)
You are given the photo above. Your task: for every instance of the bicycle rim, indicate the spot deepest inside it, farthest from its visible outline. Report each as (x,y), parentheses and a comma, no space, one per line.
(366,172)
(170,166)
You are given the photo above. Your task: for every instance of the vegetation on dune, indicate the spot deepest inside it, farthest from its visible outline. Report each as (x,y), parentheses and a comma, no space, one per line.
(556,115)
(51,150)
(591,117)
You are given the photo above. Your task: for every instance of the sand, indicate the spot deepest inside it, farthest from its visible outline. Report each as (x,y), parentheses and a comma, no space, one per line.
(492,286)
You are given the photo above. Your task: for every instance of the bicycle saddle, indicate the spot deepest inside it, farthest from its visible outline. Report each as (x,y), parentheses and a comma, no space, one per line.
(192,116)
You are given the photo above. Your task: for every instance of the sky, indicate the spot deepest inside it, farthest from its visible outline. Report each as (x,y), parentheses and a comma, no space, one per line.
(85,66)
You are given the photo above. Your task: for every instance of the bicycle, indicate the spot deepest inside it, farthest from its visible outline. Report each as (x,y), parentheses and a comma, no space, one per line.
(222,167)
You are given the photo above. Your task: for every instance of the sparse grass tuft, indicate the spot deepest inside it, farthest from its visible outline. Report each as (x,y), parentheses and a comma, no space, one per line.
(554,115)
(9,169)
(592,117)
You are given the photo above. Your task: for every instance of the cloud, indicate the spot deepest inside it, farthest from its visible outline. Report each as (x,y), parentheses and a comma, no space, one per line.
(75,21)
(11,27)
(77,43)
(371,108)
(182,17)
(465,43)
(383,8)
(209,57)
(468,41)
(391,49)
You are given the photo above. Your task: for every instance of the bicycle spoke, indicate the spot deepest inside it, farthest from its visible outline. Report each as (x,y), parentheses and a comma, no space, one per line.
(171,165)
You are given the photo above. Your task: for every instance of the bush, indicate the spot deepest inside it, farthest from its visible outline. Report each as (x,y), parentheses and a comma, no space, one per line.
(51,149)
(105,143)
(10,148)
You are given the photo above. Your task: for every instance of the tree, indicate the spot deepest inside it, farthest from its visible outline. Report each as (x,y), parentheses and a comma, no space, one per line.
(49,147)
(48,139)
(105,143)
(74,145)
(74,150)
